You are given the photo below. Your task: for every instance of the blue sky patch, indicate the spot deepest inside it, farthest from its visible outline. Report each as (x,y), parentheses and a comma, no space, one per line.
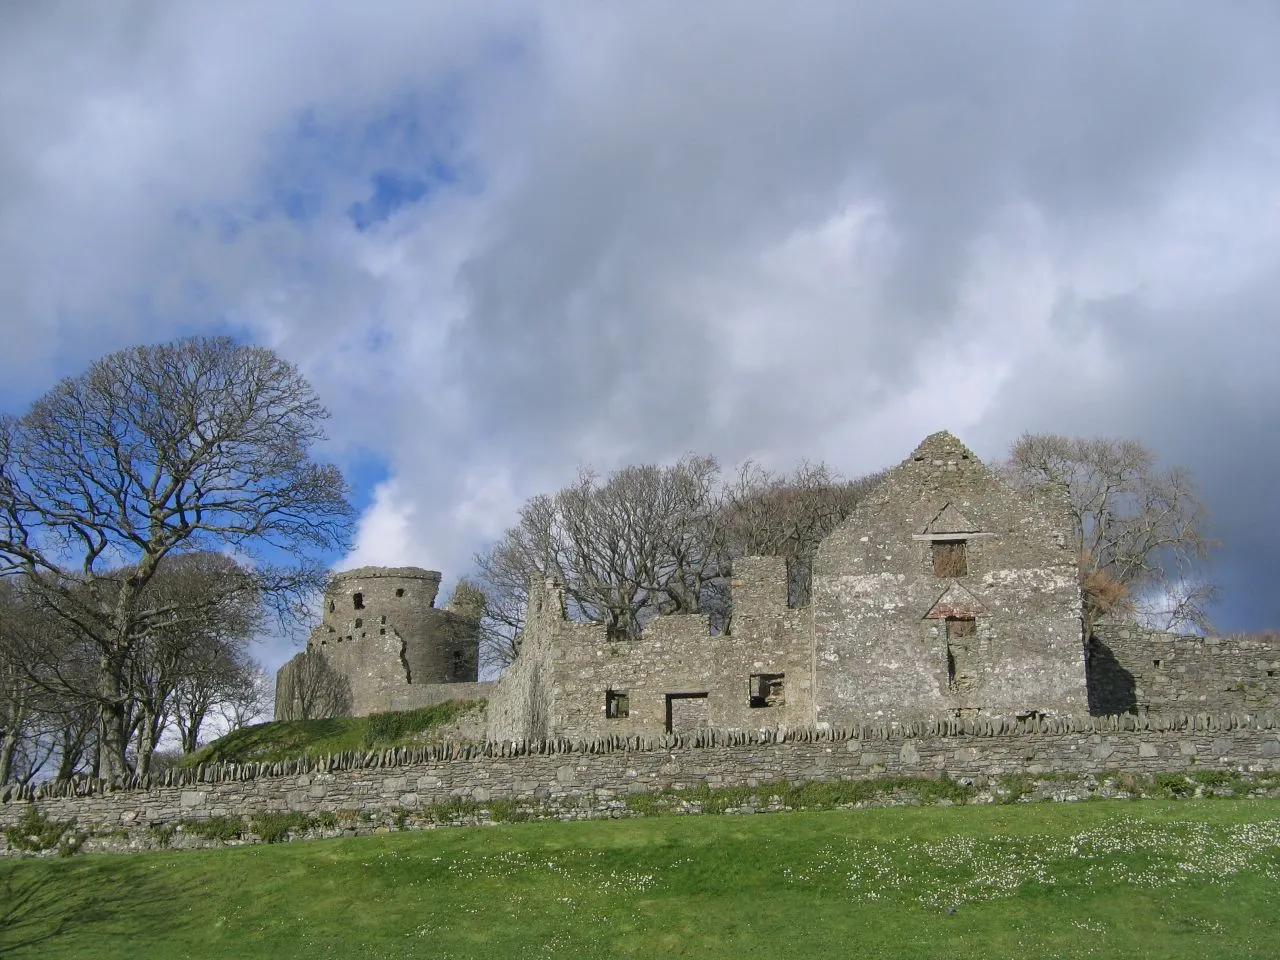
(393,189)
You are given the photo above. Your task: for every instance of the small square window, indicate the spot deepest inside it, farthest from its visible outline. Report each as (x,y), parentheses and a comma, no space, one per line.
(617,705)
(766,690)
(399,591)
(950,558)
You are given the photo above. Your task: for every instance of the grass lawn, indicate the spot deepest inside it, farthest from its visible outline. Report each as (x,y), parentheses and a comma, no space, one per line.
(1131,879)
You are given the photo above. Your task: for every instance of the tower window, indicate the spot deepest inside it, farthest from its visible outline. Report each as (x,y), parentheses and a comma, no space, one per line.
(950,558)
(357,601)
(399,591)
(617,705)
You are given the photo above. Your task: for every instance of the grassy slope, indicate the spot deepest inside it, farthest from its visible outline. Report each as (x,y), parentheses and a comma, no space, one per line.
(270,742)
(1110,879)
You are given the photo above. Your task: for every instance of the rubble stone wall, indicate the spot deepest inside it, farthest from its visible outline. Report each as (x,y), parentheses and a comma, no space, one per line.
(576,775)
(1134,669)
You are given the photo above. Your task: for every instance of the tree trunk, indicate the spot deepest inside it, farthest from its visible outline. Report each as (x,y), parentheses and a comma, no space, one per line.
(8,748)
(191,728)
(113,730)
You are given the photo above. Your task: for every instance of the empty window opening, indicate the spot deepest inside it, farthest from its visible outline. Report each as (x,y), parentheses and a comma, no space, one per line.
(1155,663)
(1271,673)
(962,660)
(359,622)
(950,558)
(617,705)
(766,690)
(382,631)
(331,606)
(383,620)
(357,601)
(399,591)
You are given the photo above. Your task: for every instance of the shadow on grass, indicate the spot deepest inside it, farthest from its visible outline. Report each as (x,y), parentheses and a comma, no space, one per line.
(40,906)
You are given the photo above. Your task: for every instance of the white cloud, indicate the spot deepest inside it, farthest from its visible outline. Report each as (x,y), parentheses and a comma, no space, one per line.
(818,232)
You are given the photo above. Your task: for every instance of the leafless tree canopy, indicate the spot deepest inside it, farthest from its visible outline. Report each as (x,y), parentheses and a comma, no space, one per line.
(1140,529)
(197,445)
(313,688)
(648,539)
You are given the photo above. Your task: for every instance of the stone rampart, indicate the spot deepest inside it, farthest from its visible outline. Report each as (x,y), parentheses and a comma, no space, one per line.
(578,775)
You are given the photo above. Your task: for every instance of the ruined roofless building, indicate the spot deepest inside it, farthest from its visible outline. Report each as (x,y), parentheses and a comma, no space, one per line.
(382,633)
(945,594)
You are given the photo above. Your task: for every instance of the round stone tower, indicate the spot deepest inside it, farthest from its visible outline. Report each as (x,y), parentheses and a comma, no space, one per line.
(365,605)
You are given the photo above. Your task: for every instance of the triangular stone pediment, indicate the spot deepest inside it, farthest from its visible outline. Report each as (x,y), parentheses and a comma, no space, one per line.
(955,601)
(949,520)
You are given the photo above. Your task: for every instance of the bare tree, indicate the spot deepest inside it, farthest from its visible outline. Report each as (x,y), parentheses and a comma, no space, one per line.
(199,444)
(639,541)
(648,540)
(311,689)
(184,664)
(1140,529)
(245,697)
(39,724)
(789,515)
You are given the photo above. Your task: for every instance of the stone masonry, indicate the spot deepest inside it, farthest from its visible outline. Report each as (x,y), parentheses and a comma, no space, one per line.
(382,632)
(945,595)
(588,778)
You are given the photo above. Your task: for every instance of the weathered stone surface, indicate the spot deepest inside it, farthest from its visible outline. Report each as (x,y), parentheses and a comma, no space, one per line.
(940,545)
(1138,670)
(383,633)
(577,778)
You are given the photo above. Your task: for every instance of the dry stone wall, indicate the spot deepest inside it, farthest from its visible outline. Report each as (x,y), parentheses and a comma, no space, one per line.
(577,777)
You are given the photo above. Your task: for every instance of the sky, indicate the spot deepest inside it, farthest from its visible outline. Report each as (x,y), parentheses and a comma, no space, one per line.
(504,239)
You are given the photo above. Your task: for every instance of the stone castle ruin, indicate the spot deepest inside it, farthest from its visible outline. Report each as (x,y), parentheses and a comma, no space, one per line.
(946,595)
(388,646)
(943,638)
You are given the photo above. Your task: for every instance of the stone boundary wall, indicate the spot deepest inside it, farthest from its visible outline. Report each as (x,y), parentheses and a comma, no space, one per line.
(580,775)
(1133,669)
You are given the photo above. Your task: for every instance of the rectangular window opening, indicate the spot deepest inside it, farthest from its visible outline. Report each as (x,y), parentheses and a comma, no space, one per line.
(766,690)
(950,558)
(617,705)
(962,659)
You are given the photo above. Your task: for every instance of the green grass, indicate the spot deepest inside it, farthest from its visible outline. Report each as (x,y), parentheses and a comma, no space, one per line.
(287,740)
(1131,879)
